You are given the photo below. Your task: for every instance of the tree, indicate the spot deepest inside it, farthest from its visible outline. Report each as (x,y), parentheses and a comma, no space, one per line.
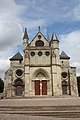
(78,83)
(1,85)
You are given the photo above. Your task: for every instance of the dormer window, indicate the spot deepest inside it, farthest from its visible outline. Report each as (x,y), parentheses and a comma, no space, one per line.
(39,43)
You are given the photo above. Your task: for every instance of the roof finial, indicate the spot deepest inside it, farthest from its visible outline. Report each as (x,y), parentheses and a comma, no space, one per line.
(39,28)
(25,29)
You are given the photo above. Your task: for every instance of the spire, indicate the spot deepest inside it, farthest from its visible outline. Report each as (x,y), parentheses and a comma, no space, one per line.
(54,37)
(25,34)
(48,37)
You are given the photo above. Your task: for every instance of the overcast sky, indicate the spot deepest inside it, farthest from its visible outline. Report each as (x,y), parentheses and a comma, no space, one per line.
(60,16)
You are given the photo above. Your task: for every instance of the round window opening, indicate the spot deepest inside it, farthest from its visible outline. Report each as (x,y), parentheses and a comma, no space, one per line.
(47,53)
(39,36)
(32,53)
(40,53)
(64,74)
(19,72)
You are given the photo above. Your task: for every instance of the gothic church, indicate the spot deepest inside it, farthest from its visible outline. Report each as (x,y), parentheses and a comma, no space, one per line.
(41,71)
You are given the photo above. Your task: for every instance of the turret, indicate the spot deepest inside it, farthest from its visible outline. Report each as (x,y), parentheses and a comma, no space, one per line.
(54,41)
(55,48)
(25,38)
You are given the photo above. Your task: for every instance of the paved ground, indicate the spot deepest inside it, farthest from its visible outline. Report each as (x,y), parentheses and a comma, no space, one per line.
(40,102)
(24,117)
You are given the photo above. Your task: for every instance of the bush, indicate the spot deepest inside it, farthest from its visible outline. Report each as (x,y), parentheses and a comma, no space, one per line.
(1,85)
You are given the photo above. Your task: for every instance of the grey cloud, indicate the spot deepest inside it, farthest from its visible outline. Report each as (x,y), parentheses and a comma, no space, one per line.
(10,35)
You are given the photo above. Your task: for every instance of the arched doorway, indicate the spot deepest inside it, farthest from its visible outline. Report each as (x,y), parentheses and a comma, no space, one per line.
(41,84)
(40,81)
(19,87)
(64,87)
(40,87)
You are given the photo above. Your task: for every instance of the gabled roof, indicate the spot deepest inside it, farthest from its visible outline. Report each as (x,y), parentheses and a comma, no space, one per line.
(64,55)
(17,56)
(37,35)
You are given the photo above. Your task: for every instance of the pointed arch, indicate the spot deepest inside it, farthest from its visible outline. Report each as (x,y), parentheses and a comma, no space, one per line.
(19,87)
(40,73)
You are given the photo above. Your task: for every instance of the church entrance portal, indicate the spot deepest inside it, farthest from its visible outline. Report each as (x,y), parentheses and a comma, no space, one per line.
(40,87)
(40,77)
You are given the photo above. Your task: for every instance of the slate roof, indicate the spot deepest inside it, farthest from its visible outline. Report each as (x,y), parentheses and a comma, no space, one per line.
(64,55)
(54,37)
(25,34)
(17,56)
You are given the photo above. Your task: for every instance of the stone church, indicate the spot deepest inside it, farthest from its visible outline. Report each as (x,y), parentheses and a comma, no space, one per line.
(41,70)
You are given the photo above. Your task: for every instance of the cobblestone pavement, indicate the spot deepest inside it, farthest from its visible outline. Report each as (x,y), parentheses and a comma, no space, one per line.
(24,117)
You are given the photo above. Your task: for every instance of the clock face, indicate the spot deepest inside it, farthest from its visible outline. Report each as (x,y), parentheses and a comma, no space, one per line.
(19,72)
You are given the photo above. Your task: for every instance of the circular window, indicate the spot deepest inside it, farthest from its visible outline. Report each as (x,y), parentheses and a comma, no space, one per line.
(19,72)
(32,53)
(39,36)
(64,74)
(47,53)
(40,53)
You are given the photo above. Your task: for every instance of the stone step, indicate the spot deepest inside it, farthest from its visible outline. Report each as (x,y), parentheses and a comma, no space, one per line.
(62,114)
(55,111)
(39,108)
(55,107)
(39,97)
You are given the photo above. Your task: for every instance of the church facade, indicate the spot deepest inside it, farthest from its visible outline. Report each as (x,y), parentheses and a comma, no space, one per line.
(41,71)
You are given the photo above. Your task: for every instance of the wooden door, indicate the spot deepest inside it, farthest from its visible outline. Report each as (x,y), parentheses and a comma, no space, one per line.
(44,87)
(37,87)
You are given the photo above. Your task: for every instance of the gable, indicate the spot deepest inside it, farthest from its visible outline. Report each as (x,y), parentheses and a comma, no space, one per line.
(39,40)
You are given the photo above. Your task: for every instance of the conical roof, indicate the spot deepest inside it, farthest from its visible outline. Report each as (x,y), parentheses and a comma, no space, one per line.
(25,34)
(64,55)
(17,56)
(54,37)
